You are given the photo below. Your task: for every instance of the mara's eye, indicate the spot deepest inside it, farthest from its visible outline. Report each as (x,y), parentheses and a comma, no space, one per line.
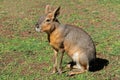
(48,20)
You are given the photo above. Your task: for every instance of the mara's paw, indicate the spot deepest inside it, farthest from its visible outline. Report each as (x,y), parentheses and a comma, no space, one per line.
(71,73)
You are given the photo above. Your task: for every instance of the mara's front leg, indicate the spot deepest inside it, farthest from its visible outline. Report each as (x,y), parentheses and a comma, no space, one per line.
(57,67)
(55,61)
(60,62)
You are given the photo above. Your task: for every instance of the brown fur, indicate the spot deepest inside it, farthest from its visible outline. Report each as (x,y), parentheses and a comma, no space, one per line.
(67,38)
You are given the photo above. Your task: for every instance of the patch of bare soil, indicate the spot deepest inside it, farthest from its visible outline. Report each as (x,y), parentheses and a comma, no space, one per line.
(6,32)
(33,68)
(26,34)
(6,59)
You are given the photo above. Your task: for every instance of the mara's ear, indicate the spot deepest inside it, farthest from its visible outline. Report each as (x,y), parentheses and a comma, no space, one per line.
(47,9)
(56,12)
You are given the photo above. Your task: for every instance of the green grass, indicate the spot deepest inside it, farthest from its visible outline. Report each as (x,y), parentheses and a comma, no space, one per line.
(26,54)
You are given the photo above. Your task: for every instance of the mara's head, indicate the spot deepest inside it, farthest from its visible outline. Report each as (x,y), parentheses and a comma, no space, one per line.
(46,22)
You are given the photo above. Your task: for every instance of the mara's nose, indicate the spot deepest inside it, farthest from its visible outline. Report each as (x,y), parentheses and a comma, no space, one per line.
(36,25)
(37,28)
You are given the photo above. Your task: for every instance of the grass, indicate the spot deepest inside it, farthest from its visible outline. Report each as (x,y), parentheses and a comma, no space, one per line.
(26,54)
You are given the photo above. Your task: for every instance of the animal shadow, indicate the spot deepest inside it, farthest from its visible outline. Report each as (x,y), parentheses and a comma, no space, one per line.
(98,64)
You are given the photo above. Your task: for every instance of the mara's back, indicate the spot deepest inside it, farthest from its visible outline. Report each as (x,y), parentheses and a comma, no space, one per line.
(76,39)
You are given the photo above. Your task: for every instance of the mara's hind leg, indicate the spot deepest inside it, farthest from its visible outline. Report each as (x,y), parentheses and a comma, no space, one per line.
(70,65)
(81,64)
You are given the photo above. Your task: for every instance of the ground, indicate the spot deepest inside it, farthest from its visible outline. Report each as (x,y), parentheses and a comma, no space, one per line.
(26,55)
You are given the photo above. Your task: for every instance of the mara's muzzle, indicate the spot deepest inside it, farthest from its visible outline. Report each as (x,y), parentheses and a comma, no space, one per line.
(37,27)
